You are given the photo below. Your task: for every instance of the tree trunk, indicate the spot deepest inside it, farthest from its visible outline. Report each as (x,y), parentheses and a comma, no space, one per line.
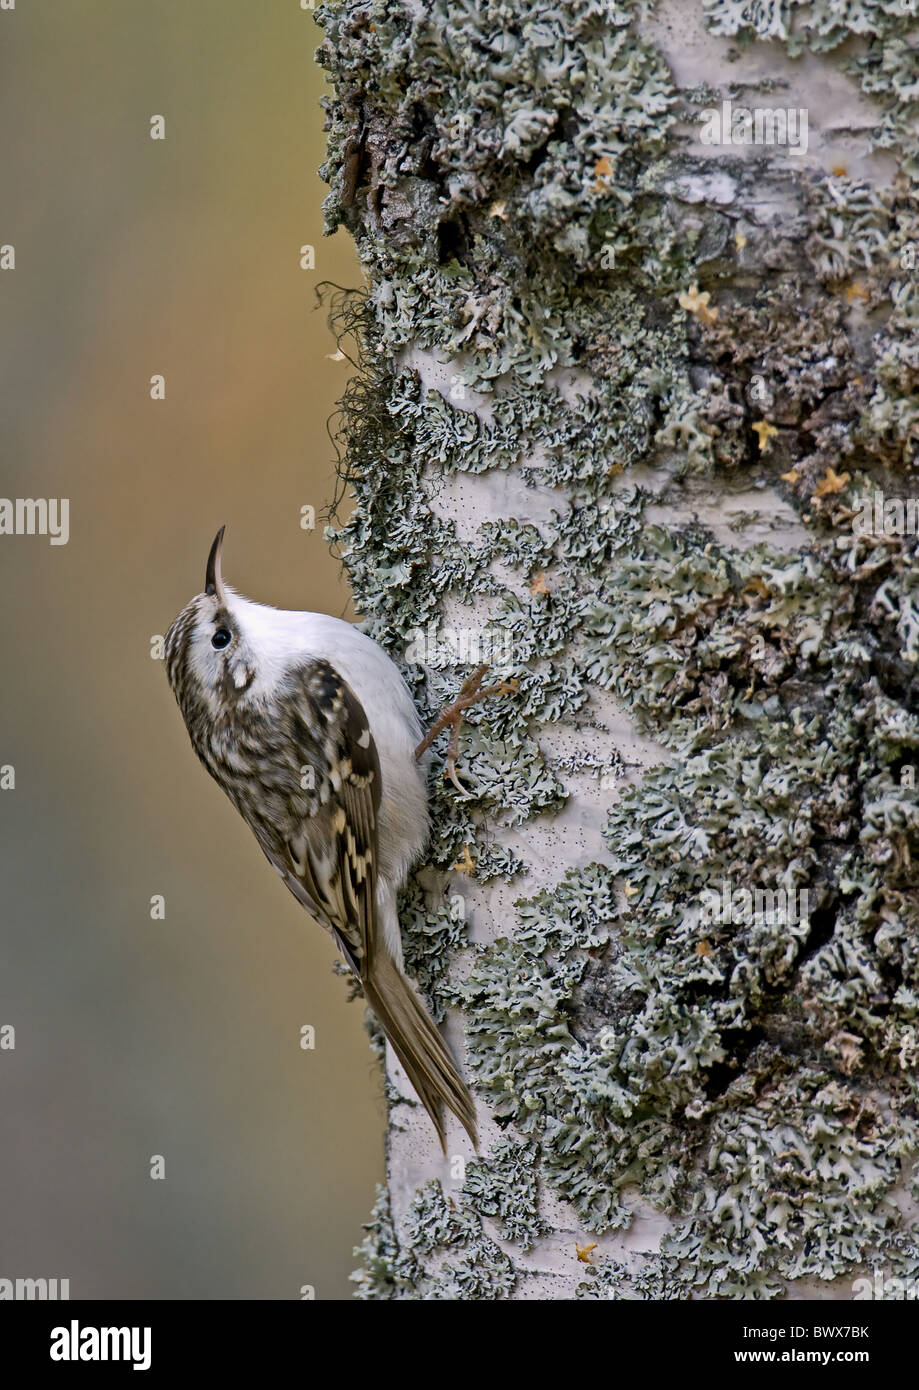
(630,371)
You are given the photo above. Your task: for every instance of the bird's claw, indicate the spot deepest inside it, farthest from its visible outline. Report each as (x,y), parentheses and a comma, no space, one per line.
(471,692)
(450,775)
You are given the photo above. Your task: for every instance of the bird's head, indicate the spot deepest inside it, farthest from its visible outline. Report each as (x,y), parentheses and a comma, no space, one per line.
(211,657)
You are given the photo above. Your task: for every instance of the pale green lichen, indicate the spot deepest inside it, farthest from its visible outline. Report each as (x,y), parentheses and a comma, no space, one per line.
(506,1189)
(516,139)
(387,1271)
(653,1279)
(469,1264)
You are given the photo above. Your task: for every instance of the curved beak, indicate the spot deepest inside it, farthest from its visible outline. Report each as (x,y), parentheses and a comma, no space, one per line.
(213,578)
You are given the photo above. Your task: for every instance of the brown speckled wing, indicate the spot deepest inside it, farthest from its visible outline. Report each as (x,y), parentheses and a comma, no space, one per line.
(314,803)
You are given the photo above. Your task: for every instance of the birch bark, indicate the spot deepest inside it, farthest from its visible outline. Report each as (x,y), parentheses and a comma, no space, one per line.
(636,419)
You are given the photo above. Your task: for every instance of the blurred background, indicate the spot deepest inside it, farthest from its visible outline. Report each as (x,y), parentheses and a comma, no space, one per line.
(179,1037)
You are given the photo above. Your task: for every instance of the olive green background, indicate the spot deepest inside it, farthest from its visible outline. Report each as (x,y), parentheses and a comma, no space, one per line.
(137,1037)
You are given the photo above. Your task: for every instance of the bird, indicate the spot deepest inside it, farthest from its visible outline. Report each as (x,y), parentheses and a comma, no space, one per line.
(309,728)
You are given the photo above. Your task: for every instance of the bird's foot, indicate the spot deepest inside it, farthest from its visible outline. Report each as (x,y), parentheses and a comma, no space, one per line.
(471,692)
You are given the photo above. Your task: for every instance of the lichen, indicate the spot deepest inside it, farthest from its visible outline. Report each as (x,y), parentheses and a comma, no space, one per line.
(469,1265)
(506,1188)
(513,138)
(652,1279)
(387,1271)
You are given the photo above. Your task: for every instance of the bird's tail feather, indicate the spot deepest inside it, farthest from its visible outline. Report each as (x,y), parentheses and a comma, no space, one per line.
(419,1047)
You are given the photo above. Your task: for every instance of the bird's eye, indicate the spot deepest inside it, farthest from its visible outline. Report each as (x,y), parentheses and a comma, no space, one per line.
(221,638)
